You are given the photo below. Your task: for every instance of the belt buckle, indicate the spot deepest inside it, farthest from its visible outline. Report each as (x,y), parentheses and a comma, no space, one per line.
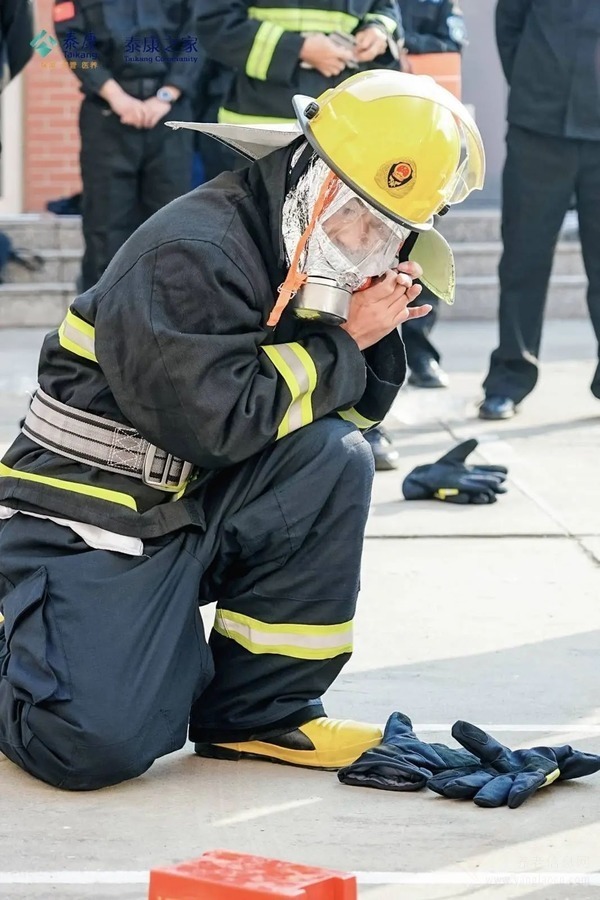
(161,483)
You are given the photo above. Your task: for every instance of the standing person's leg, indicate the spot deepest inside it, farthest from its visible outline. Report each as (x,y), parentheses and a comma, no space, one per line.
(167,166)
(110,158)
(538,180)
(286,579)
(421,355)
(588,206)
(101,654)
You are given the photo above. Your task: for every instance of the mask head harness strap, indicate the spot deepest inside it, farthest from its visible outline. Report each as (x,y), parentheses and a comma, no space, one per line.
(295,278)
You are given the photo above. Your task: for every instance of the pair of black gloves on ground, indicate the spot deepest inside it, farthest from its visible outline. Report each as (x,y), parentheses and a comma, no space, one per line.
(482,770)
(450,479)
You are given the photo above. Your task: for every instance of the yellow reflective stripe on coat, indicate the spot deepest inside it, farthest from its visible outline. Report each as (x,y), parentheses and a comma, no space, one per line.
(298,371)
(263,48)
(74,486)
(388,23)
(302,19)
(351,415)
(229,117)
(298,641)
(77,336)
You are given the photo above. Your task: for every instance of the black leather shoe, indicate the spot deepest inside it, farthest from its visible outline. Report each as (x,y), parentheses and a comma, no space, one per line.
(428,374)
(495,407)
(384,453)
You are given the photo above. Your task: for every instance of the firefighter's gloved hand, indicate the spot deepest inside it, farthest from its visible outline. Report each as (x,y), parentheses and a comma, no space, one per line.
(402,762)
(508,777)
(450,479)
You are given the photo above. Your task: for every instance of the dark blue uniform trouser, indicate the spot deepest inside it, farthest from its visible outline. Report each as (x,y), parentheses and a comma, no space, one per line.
(102,655)
(127,174)
(416,332)
(541,174)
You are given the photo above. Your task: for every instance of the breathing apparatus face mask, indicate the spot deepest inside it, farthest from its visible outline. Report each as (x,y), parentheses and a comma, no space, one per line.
(335,243)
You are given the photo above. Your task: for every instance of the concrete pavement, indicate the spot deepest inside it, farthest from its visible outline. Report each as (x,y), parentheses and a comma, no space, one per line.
(489,614)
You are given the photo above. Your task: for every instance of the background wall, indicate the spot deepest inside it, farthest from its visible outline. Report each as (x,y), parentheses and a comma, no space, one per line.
(51,102)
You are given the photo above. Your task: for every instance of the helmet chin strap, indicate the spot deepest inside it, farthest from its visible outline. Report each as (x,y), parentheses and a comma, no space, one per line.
(295,278)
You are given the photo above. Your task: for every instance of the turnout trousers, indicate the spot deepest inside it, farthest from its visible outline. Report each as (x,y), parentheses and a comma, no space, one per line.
(103,659)
(541,174)
(127,175)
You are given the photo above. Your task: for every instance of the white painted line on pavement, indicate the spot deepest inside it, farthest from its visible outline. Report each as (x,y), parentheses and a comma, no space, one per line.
(265,811)
(466,877)
(429,878)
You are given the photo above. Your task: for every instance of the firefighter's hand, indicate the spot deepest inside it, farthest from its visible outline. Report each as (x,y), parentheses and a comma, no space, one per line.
(370,43)
(129,109)
(382,307)
(325,55)
(154,111)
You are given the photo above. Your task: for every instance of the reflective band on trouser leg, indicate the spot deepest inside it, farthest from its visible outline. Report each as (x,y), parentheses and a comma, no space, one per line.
(300,19)
(297,641)
(77,336)
(351,415)
(388,23)
(74,486)
(298,371)
(263,48)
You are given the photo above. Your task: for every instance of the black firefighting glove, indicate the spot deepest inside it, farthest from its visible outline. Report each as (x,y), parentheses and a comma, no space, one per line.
(508,777)
(451,480)
(402,762)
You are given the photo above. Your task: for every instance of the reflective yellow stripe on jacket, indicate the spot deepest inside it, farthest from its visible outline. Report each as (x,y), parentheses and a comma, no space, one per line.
(263,48)
(351,415)
(306,19)
(74,486)
(298,371)
(229,117)
(298,641)
(77,336)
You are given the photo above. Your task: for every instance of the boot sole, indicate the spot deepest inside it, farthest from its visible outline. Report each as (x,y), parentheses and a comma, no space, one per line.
(212,751)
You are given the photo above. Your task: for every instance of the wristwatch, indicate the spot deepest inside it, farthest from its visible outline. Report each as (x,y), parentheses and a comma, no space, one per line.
(166,95)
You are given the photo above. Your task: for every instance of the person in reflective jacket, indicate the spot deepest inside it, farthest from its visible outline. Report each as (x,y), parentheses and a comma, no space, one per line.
(196,437)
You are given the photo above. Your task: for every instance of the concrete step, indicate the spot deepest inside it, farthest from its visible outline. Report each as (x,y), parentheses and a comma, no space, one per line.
(43,231)
(59,266)
(41,305)
(482,258)
(470,225)
(477,298)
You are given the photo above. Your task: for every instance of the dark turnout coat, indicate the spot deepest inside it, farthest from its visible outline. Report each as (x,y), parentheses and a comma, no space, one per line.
(180,350)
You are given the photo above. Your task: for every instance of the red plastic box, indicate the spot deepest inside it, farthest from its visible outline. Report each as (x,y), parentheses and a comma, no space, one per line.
(223,875)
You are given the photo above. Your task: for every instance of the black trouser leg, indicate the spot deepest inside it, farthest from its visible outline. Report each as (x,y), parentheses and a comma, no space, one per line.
(538,181)
(166,171)
(588,212)
(111,157)
(415,332)
(101,654)
(285,577)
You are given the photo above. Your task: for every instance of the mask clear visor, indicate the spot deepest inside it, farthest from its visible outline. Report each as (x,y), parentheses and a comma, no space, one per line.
(362,237)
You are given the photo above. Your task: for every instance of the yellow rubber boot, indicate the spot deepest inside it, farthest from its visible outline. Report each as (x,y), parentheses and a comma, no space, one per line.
(319,744)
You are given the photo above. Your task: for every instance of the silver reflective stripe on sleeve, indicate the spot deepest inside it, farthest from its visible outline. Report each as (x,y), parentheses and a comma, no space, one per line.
(298,370)
(77,336)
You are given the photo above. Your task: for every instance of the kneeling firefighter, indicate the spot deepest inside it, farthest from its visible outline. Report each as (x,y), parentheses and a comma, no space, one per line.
(192,440)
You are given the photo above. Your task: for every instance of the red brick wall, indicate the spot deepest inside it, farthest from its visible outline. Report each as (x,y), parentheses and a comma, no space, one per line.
(51,133)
